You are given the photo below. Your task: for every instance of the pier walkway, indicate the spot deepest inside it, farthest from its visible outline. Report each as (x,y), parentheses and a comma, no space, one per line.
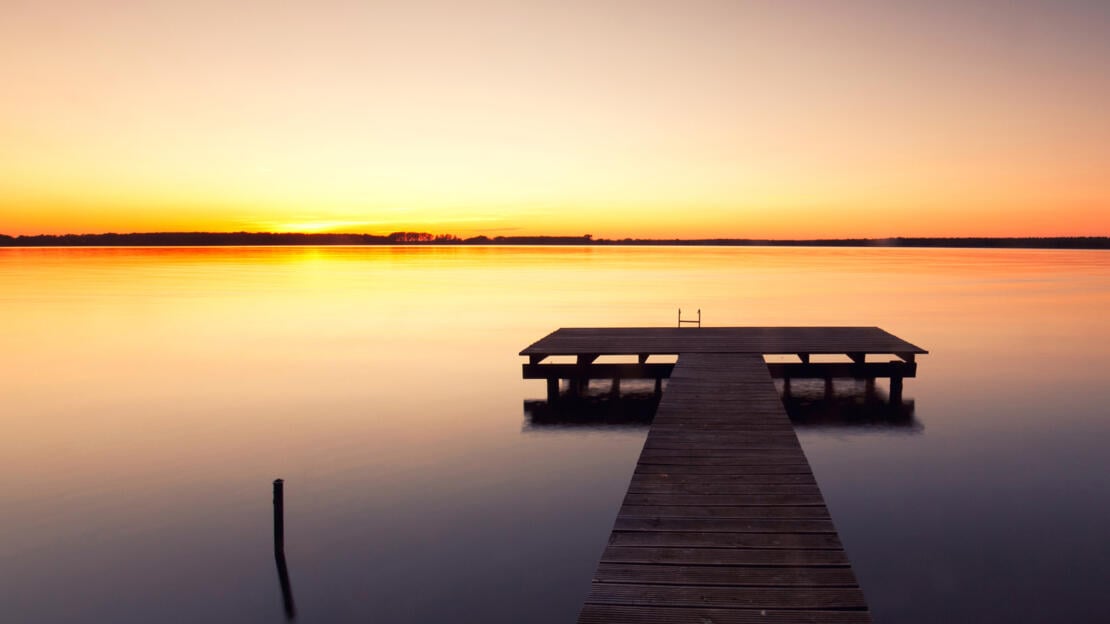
(723,521)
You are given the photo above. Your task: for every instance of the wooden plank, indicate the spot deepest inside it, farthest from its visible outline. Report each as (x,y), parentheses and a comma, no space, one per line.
(727,597)
(723,525)
(779,370)
(721,447)
(749,458)
(723,511)
(749,453)
(665,478)
(736,459)
(753,423)
(717,487)
(727,500)
(760,443)
(725,556)
(723,439)
(702,539)
(724,575)
(754,469)
(626,614)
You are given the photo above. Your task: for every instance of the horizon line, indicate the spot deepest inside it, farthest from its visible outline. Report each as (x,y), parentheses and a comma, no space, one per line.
(583,236)
(246,238)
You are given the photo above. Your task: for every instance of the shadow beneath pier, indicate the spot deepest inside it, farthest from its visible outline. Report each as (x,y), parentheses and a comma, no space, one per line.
(851,405)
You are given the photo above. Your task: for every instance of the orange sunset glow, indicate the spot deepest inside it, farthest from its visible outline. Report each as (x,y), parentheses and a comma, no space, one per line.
(620,119)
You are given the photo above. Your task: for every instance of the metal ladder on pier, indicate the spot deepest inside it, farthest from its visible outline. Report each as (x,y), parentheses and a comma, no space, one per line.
(696,322)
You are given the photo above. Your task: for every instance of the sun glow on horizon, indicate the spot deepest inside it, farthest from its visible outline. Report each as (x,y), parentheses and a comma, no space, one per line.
(311,227)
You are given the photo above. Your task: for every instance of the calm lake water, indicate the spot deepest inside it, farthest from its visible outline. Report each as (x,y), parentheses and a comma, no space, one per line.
(148,398)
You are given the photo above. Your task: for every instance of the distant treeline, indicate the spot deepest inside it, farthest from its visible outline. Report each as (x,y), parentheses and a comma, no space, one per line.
(156,239)
(1056,242)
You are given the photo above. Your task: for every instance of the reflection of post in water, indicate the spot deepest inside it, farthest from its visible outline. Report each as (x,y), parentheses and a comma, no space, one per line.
(620,406)
(279,549)
(816,404)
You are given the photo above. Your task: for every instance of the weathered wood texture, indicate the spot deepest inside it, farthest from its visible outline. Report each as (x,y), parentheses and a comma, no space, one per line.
(723,521)
(761,340)
(778,370)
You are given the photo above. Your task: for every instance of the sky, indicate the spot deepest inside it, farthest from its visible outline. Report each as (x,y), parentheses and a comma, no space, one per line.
(642,118)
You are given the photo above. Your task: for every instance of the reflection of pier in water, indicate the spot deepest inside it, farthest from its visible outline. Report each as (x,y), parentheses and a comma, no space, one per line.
(723,520)
(596,409)
(853,406)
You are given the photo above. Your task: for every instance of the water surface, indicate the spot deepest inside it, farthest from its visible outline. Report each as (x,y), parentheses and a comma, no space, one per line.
(151,395)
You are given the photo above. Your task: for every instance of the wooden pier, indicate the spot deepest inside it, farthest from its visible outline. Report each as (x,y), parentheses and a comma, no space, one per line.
(723,521)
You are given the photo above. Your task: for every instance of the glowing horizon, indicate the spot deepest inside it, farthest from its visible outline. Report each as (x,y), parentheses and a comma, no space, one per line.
(707,119)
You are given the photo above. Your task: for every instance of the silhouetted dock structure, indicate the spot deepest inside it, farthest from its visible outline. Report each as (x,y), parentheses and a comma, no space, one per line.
(723,520)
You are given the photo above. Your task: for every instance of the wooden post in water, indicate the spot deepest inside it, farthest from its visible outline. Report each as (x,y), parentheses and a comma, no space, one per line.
(552,390)
(279,516)
(279,550)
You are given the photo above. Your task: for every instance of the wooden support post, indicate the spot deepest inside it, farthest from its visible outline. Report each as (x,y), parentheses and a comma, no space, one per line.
(658,386)
(615,390)
(643,357)
(552,390)
(828,388)
(786,386)
(582,383)
(869,387)
(857,357)
(804,357)
(895,390)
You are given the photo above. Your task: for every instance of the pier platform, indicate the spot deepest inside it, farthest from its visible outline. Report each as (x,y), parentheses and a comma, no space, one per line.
(723,520)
